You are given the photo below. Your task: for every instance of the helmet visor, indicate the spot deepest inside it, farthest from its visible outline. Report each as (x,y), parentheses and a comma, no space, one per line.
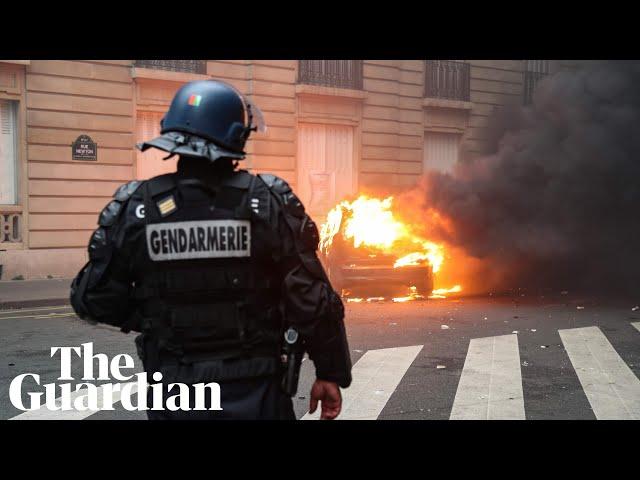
(256,118)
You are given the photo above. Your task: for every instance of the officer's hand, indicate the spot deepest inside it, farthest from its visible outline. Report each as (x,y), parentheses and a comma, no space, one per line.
(329,394)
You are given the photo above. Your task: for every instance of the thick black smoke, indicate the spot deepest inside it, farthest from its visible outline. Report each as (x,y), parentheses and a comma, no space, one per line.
(558,204)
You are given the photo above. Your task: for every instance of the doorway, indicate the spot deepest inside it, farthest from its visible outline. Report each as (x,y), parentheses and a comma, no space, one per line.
(325,166)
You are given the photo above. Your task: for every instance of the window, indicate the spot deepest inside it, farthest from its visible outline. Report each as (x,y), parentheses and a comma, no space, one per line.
(534,71)
(447,79)
(190,66)
(10,228)
(331,73)
(8,152)
(441,151)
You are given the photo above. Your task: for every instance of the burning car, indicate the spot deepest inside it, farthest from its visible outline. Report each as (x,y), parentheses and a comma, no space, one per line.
(369,253)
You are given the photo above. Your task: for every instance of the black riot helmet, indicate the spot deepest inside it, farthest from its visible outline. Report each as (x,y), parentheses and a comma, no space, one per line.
(207,118)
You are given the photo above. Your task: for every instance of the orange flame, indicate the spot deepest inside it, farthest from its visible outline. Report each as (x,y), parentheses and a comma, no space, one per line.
(370,222)
(440,292)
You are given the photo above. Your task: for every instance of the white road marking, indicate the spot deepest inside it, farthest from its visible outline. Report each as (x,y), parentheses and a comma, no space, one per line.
(56,315)
(45,414)
(24,310)
(490,386)
(637,325)
(611,387)
(48,315)
(375,377)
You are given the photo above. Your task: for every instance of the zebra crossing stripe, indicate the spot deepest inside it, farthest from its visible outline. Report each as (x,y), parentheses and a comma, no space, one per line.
(45,414)
(611,387)
(490,386)
(637,325)
(375,377)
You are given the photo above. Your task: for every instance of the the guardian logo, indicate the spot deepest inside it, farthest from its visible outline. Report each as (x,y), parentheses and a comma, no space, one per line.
(132,393)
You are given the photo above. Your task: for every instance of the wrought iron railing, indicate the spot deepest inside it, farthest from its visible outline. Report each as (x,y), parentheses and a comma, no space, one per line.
(447,79)
(190,66)
(534,71)
(331,73)
(10,227)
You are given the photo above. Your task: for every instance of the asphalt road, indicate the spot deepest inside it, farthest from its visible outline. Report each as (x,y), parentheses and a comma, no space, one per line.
(438,359)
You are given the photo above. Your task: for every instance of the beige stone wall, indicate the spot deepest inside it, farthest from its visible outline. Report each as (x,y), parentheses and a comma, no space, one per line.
(63,99)
(392,130)
(494,84)
(272,87)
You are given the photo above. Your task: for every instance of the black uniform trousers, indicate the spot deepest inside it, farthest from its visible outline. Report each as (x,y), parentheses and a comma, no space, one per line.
(249,390)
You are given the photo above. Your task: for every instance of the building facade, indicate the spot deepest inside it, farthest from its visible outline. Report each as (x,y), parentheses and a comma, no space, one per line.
(335,127)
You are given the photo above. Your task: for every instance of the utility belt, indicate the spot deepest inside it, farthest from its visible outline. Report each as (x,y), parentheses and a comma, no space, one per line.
(191,332)
(161,351)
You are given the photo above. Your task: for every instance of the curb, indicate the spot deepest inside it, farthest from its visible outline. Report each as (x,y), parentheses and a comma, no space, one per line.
(45,302)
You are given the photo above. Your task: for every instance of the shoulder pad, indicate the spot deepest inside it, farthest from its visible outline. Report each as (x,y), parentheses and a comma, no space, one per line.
(240,179)
(274,183)
(161,184)
(124,192)
(290,201)
(293,205)
(98,239)
(309,236)
(109,213)
(97,243)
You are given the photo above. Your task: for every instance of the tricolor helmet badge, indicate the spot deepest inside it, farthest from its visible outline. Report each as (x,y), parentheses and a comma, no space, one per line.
(194,100)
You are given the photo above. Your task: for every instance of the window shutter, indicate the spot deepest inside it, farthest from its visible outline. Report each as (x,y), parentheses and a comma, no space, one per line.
(8,153)
(441,151)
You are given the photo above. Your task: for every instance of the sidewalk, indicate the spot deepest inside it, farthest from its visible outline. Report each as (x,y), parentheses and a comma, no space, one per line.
(34,293)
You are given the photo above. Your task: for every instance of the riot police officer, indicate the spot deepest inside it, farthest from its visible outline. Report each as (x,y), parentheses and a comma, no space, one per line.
(215,266)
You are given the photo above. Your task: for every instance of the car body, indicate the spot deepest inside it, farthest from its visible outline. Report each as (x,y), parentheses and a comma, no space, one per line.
(366,272)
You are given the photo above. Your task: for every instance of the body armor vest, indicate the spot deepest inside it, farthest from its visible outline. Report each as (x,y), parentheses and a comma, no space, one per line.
(207,284)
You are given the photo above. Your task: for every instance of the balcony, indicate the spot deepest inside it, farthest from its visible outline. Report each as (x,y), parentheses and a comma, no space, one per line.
(188,66)
(447,79)
(535,70)
(10,228)
(331,73)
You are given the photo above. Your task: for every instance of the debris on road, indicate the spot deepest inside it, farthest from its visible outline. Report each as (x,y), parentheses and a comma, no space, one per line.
(525,364)
(635,308)
(533,330)
(579,307)
(444,327)
(515,331)
(440,366)
(544,346)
